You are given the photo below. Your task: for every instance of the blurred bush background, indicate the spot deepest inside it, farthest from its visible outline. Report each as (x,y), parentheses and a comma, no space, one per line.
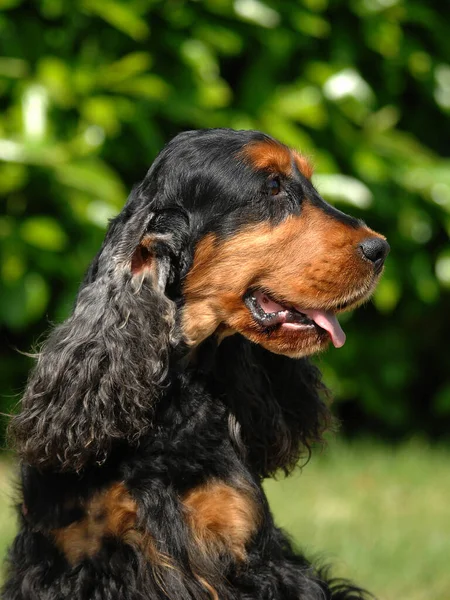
(90,90)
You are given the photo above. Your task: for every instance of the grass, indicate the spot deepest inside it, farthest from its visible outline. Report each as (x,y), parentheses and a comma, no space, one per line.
(381,516)
(7,511)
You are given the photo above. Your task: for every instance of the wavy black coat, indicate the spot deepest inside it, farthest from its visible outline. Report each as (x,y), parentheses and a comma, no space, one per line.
(115,396)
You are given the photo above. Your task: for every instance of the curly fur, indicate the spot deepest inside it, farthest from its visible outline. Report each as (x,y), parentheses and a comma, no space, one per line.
(284,411)
(118,397)
(92,383)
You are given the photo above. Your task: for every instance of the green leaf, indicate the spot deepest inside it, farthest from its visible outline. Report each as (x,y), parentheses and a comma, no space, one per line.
(442,268)
(387,295)
(8,4)
(55,74)
(310,24)
(37,295)
(12,177)
(102,111)
(15,68)
(94,177)
(121,70)
(257,12)
(24,302)
(13,266)
(120,15)
(148,86)
(303,104)
(342,188)
(44,233)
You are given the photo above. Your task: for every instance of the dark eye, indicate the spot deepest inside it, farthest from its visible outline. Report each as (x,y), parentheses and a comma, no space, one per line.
(274,186)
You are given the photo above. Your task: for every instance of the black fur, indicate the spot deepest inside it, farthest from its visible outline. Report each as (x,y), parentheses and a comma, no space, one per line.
(116,396)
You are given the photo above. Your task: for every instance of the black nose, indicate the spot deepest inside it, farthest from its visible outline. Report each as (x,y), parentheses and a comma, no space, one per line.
(375,249)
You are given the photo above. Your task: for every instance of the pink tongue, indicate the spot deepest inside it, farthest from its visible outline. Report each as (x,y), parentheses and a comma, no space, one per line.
(329,322)
(324,319)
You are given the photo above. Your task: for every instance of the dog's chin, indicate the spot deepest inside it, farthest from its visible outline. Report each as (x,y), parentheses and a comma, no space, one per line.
(290,341)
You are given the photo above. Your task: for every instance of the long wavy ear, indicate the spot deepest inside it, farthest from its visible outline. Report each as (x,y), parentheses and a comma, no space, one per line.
(277,407)
(99,374)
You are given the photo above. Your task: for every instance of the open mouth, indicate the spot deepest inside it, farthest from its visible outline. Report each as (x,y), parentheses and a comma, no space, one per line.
(269,313)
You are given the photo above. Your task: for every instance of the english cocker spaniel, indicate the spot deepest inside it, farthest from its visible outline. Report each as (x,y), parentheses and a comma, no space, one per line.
(181,380)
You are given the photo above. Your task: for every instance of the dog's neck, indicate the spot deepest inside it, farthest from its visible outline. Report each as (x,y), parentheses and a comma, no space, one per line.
(201,359)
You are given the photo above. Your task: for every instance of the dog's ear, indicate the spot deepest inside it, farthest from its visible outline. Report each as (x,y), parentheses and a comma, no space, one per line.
(100,373)
(277,404)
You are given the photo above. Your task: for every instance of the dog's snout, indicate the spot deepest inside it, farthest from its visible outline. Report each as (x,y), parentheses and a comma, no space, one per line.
(375,249)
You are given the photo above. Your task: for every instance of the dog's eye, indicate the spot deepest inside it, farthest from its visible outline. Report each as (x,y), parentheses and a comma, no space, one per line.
(275,186)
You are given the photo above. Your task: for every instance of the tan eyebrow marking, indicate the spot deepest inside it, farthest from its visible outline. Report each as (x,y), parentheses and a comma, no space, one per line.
(268,155)
(303,164)
(273,156)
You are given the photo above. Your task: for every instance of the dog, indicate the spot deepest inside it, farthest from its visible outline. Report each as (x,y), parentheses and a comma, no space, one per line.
(182,380)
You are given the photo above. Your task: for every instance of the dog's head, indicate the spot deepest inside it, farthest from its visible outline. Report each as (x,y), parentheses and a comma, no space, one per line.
(225,235)
(273,261)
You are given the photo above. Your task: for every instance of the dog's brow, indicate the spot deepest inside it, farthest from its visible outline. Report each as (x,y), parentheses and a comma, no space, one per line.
(272,156)
(303,164)
(268,155)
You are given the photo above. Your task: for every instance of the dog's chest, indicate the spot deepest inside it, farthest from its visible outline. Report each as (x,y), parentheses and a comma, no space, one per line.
(217,519)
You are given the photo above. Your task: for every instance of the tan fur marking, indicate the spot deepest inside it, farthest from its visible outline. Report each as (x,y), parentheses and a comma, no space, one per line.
(308,260)
(275,157)
(109,513)
(208,587)
(303,164)
(222,518)
(269,155)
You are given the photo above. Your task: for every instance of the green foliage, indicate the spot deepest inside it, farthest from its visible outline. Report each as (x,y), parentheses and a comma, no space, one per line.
(91,89)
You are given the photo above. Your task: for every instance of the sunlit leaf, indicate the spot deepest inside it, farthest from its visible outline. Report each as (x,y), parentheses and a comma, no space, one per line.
(342,188)
(24,302)
(37,296)
(442,268)
(302,104)
(311,24)
(120,15)
(425,281)
(385,37)
(199,56)
(55,74)
(8,4)
(286,131)
(215,94)
(12,177)
(44,233)
(130,65)
(12,67)
(95,178)
(387,295)
(148,86)
(13,267)
(103,112)
(225,39)
(257,12)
